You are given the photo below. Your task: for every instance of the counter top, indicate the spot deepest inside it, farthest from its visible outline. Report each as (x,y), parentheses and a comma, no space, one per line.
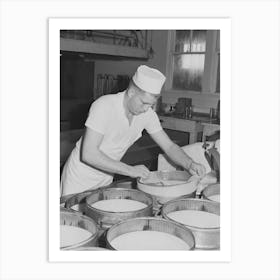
(200,119)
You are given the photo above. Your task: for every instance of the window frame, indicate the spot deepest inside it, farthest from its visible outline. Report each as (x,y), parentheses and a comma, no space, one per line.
(209,78)
(218,57)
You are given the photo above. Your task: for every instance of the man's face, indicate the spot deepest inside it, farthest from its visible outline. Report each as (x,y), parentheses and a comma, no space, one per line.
(140,102)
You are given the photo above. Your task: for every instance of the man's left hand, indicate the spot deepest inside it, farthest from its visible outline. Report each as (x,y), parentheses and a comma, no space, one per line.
(197,169)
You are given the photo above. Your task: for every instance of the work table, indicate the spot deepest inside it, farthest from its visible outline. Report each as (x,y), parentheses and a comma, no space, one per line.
(184,125)
(194,126)
(200,119)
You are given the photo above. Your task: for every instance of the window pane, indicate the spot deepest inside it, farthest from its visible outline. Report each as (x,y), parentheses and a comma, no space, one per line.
(198,41)
(183,41)
(188,71)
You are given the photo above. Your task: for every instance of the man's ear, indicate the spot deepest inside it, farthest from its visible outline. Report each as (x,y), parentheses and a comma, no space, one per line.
(131,92)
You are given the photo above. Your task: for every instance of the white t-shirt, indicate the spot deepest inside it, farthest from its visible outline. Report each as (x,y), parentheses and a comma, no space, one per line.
(106,116)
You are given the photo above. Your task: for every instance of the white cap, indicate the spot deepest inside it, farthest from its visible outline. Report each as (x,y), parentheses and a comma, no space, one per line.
(149,79)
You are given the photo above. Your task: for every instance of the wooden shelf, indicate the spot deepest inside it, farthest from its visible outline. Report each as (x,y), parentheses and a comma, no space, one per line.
(83,46)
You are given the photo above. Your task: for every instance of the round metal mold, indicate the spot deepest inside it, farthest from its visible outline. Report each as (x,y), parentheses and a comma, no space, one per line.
(89,248)
(152,224)
(163,193)
(77,201)
(106,219)
(205,238)
(75,219)
(211,190)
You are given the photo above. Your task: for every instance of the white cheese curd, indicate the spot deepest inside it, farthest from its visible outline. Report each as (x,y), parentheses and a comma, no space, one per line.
(161,182)
(70,235)
(149,240)
(119,205)
(214,197)
(195,218)
(170,182)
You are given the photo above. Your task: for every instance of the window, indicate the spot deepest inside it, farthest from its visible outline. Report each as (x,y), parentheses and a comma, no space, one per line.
(193,61)
(189,56)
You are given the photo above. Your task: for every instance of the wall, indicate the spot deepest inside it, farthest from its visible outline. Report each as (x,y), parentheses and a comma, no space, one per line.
(77,108)
(129,66)
(159,61)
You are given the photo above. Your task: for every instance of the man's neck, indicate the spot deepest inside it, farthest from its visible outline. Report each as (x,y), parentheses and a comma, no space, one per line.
(128,114)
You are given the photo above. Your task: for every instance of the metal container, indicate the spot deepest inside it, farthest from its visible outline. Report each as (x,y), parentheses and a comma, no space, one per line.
(106,219)
(63,199)
(163,193)
(152,224)
(75,219)
(77,201)
(211,190)
(89,249)
(205,238)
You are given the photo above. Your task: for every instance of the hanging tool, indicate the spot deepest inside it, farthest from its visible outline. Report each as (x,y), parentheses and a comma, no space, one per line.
(213,158)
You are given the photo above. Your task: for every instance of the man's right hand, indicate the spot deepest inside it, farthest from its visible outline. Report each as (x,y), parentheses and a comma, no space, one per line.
(140,171)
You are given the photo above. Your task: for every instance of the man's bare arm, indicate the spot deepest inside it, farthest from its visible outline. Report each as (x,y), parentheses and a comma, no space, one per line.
(94,157)
(176,154)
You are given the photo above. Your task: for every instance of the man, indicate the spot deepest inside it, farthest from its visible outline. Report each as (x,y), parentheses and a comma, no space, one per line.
(114,123)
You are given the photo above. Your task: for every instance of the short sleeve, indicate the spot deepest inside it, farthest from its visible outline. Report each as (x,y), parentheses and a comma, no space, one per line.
(98,116)
(152,122)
